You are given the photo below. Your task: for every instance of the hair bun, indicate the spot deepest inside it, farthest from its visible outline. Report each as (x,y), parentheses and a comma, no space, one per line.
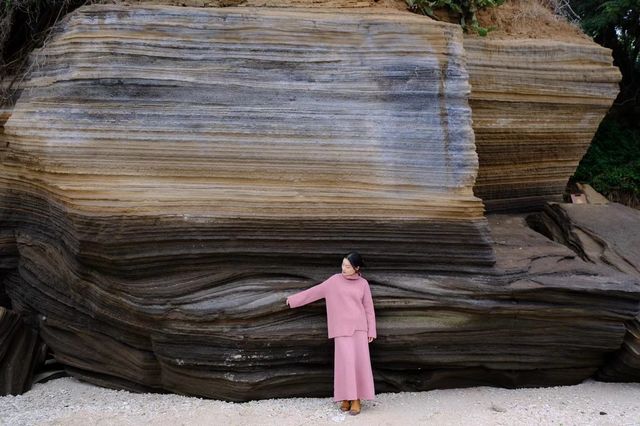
(355,259)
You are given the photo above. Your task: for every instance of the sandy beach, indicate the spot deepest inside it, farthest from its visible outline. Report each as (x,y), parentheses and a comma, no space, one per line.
(68,401)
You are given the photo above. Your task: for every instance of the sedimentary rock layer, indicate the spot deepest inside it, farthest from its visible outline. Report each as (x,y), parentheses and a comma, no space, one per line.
(536,106)
(542,316)
(170,175)
(21,352)
(298,129)
(606,235)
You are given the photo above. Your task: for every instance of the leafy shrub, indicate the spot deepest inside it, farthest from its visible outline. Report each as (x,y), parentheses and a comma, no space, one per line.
(465,9)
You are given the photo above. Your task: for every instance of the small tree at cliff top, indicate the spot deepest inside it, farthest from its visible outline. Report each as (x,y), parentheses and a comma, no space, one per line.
(465,10)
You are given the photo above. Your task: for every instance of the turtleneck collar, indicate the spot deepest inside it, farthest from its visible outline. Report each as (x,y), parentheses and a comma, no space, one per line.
(351,277)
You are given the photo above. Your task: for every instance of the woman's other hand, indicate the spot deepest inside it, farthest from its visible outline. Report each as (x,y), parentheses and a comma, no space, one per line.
(371,339)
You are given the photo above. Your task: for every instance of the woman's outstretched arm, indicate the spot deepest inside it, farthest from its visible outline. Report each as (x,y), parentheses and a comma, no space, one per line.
(309,295)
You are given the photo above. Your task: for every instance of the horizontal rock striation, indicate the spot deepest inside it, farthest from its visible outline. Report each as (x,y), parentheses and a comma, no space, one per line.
(536,106)
(21,352)
(296,130)
(606,235)
(169,175)
(542,316)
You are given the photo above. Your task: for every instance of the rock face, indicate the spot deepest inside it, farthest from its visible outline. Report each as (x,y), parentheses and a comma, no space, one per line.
(21,352)
(170,175)
(180,171)
(293,132)
(607,235)
(536,105)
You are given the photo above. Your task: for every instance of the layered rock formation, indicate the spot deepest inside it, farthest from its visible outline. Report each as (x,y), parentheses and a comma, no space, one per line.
(178,172)
(607,235)
(541,316)
(21,352)
(170,175)
(536,105)
(319,125)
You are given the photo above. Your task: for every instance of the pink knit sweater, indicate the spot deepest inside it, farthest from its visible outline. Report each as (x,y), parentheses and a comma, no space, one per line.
(349,304)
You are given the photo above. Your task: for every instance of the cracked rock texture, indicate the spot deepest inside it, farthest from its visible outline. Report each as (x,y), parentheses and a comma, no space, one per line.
(607,235)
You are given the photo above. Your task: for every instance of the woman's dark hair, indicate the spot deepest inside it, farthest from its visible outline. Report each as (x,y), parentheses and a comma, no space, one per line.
(355,259)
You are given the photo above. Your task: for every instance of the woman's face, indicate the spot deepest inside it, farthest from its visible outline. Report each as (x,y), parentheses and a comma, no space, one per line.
(347,268)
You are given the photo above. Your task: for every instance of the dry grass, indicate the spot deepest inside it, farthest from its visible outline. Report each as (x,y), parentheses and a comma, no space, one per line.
(562,8)
(627,198)
(32,21)
(531,19)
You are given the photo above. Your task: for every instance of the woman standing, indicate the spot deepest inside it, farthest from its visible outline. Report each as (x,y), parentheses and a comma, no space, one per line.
(352,324)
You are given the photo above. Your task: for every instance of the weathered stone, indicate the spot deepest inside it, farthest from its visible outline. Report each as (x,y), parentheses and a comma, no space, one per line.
(540,317)
(170,175)
(281,132)
(21,352)
(179,171)
(536,105)
(607,235)
(592,196)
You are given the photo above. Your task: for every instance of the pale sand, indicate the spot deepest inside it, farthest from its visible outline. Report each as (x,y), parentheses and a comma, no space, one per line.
(70,402)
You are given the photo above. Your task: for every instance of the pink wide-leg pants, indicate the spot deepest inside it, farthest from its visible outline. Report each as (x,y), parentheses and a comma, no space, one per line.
(352,375)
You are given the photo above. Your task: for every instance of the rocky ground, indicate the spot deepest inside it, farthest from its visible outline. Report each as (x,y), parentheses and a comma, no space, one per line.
(70,402)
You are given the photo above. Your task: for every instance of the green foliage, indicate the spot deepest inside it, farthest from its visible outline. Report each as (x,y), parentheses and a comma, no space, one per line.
(612,163)
(465,9)
(616,24)
(598,16)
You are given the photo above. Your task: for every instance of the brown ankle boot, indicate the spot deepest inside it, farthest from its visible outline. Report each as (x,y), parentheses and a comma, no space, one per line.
(355,407)
(345,406)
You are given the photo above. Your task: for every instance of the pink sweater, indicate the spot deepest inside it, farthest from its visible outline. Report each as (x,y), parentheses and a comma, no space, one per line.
(349,304)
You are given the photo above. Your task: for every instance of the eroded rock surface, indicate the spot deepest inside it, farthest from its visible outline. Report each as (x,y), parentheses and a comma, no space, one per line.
(21,352)
(170,175)
(607,235)
(536,106)
(290,131)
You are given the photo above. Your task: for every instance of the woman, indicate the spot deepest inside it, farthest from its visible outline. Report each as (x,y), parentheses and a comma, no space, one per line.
(352,324)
